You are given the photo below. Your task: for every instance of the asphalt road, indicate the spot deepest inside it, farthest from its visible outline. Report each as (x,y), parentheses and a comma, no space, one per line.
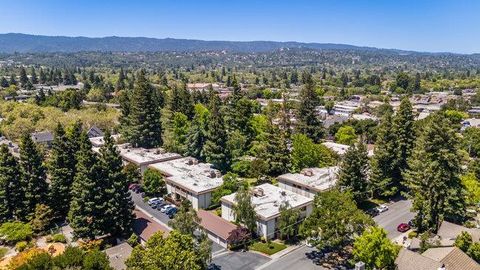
(238,261)
(296,259)
(398,212)
(138,200)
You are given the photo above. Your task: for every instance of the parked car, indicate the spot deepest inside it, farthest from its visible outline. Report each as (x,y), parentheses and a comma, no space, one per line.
(403,227)
(373,212)
(171,212)
(153,200)
(159,205)
(166,207)
(382,208)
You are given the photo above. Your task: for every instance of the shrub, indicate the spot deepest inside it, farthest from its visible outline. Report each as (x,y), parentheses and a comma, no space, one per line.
(412,234)
(21,246)
(133,240)
(3,252)
(57,238)
(16,231)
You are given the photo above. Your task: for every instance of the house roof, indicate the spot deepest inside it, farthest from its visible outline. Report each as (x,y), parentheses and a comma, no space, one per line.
(450,231)
(144,226)
(215,224)
(452,257)
(94,131)
(409,260)
(42,137)
(117,255)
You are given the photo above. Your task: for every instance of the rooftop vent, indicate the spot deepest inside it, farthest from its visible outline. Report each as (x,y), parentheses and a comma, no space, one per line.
(308,172)
(212,174)
(258,192)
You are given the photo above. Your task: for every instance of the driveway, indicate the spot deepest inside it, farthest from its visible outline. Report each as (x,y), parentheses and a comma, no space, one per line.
(138,200)
(238,261)
(397,213)
(296,259)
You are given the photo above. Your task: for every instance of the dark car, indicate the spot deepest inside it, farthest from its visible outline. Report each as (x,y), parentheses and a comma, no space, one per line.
(373,212)
(171,212)
(403,227)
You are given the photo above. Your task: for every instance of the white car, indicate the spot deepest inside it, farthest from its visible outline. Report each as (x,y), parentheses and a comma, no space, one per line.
(166,207)
(382,208)
(153,200)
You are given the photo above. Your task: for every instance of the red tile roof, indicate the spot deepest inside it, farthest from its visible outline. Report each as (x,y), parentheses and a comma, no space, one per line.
(144,226)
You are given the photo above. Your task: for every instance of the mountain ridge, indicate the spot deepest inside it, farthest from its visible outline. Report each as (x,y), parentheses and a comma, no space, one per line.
(26,43)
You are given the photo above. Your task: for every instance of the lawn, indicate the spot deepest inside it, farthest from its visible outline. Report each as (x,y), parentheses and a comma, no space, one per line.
(268,249)
(3,252)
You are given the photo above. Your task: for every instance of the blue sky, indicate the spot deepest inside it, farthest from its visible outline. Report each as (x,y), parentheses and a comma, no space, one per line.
(423,25)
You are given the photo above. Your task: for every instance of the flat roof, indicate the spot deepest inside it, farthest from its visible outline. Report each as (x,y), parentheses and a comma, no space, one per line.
(188,173)
(318,179)
(267,205)
(143,156)
(98,141)
(338,148)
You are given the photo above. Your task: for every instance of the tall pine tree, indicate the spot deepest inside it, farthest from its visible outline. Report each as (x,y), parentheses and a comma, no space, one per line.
(383,182)
(144,125)
(433,175)
(404,130)
(196,136)
(215,148)
(353,174)
(33,177)
(120,205)
(10,190)
(308,121)
(87,209)
(61,168)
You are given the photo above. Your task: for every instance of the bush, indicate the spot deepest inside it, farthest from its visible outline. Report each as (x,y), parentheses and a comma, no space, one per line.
(412,234)
(16,231)
(3,252)
(133,240)
(21,246)
(56,238)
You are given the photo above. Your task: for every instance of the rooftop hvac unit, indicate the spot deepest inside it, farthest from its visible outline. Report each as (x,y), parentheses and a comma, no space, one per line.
(308,172)
(258,192)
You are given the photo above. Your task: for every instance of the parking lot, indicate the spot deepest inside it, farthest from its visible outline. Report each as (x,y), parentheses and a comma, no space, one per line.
(238,261)
(398,212)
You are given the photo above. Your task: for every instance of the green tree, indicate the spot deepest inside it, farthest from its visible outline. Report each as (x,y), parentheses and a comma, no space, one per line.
(153,183)
(230,185)
(375,249)
(353,173)
(288,221)
(186,220)
(433,175)
(472,188)
(143,125)
(276,154)
(11,194)
(463,241)
(307,154)
(215,148)
(197,133)
(243,209)
(87,209)
(346,135)
(175,135)
(474,251)
(308,122)
(119,202)
(23,77)
(33,177)
(382,181)
(404,130)
(471,141)
(61,169)
(96,260)
(42,219)
(16,231)
(334,221)
(175,252)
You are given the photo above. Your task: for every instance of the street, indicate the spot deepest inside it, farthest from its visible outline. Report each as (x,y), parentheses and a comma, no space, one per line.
(398,212)
(238,260)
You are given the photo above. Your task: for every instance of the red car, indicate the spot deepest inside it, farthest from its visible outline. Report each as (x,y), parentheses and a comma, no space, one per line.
(403,227)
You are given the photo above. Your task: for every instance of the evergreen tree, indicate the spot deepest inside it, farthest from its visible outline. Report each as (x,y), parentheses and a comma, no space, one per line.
(353,174)
(33,177)
(196,136)
(186,220)
(42,76)
(433,175)
(308,121)
(382,179)
(33,77)
(276,154)
(144,128)
(61,168)
(88,206)
(10,190)
(120,204)
(120,84)
(215,148)
(12,80)
(23,77)
(4,83)
(404,130)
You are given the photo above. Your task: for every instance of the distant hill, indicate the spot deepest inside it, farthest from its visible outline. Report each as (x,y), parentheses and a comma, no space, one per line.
(23,43)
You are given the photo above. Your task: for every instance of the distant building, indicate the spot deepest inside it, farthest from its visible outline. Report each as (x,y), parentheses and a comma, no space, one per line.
(267,199)
(338,148)
(309,181)
(186,178)
(94,131)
